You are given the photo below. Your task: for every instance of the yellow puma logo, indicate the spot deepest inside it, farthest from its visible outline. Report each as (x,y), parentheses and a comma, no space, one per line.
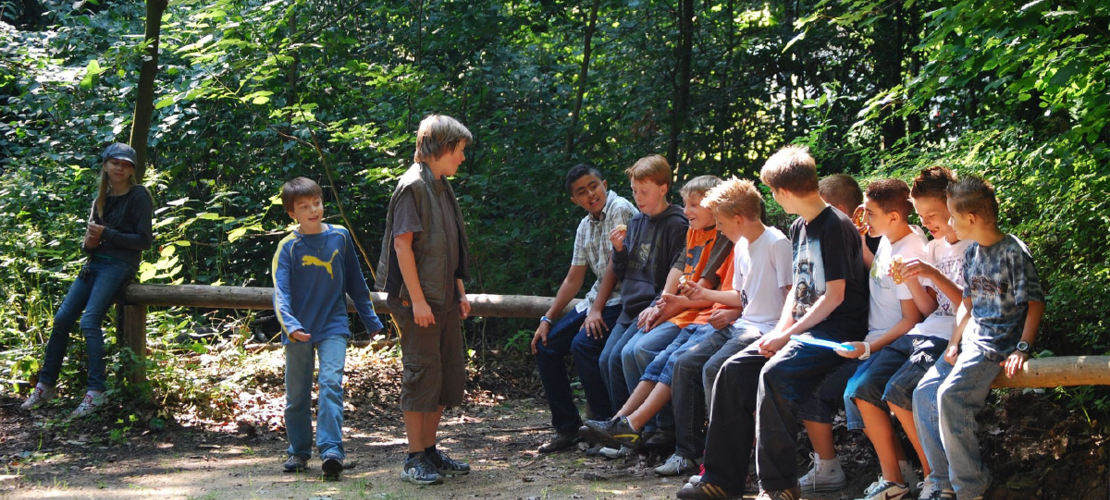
(309,260)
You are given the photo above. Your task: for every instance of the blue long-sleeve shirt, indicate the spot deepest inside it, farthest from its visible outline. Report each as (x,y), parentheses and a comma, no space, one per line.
(312,274)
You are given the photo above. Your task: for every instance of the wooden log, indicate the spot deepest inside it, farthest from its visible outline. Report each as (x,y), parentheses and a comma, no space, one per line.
(131,333)
(1062,371)
(262,298)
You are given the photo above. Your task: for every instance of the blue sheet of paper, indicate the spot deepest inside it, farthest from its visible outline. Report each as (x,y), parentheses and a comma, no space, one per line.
(823,343)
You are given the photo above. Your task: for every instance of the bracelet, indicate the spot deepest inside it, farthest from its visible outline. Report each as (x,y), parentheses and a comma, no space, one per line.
(547,320)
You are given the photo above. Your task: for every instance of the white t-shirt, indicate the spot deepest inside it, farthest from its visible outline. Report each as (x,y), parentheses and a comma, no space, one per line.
(948,258)
(761,268)
(886,297)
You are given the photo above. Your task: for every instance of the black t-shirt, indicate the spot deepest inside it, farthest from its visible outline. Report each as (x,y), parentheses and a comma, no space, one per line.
(829,249)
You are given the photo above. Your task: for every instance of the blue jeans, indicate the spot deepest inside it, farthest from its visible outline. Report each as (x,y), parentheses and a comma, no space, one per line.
(89,297)
(609,362)
(642,348)
(300,359)
(944,408)
(891,375)
(587,358)
(551,363)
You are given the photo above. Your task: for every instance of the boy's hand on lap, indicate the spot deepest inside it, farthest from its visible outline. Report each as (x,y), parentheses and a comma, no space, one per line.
(645,316)
(541,335)
(951,354)
(856,352)
(723,317)
(1014,363)
(771,344)
(594,325)
(422,314)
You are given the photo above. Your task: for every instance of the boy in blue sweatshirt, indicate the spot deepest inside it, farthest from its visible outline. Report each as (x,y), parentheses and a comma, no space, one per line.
(314,269)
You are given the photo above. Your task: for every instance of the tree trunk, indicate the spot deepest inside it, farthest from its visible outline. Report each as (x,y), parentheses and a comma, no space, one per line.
(144,104)
(890,41)
(681,104)
(590,26)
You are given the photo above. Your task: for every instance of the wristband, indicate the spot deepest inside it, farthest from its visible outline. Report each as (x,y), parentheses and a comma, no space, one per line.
(866,351)
(547,320)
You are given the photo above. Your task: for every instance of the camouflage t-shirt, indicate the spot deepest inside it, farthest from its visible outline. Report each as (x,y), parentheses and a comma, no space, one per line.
(1001,280)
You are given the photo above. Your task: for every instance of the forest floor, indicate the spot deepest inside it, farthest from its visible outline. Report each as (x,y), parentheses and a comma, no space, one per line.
(1042,451)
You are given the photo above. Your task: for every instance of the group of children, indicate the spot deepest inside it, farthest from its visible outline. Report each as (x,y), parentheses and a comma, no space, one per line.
(706,334)
(717,348)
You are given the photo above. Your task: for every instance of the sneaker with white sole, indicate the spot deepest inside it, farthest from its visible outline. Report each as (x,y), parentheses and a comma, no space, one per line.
(825,475)
(89,405)
(419,471)
(39,397)
(886,490)
(612,453)
(676,465)
(927,490)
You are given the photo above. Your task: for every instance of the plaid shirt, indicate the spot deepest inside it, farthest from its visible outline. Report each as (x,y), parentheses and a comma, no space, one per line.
(592,246)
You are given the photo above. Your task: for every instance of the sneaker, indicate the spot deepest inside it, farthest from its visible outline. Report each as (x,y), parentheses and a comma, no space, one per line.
(825,475)
(332,466)
(676,465)
(89,405)
(794,493)
(447,466)
(662,441)
(616,432)
(295,463)
(612,453)
(886,490)
(40,396)
(695,479)
(909,476)
(929,491)
(594,450)
(419,471)
(706,491)
(560,443)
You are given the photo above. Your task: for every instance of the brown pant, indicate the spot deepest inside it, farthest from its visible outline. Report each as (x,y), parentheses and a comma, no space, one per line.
(433,361)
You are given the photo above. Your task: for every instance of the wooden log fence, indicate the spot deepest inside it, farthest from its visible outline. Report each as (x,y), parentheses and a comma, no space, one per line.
(1045,372)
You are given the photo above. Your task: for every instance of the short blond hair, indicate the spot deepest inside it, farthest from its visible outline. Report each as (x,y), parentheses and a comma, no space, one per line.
(437,136)
(791,168)
(652,168)
(735,197)
(700,185)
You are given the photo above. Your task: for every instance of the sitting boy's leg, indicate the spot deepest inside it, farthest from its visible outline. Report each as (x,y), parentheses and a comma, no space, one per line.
(959,398)
(788,380)
(926,417)
(587,352)
(299,364)
(552,367)
(732,425)
(740,338)
(635,358)
(610,364)
(899,391)
(332,355)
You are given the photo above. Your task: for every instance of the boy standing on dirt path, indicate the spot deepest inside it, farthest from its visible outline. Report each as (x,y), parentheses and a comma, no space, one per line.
(314,269)
(423,264)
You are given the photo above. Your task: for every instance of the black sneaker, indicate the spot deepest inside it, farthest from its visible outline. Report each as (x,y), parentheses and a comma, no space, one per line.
(419,471)
(706,491)
(560,443)
(447,466)
(661,441)
(332,466)
(617,432)
(295,463)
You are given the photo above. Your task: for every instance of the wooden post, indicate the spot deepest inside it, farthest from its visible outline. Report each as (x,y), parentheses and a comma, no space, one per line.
(131,334)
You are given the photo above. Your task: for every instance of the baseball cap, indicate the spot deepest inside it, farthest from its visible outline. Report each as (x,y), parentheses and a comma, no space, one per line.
(119,151)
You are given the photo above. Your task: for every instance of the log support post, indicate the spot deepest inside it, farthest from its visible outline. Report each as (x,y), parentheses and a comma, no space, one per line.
(131,334)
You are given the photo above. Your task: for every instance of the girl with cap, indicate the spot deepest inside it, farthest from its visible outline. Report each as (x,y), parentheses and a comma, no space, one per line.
(119,229)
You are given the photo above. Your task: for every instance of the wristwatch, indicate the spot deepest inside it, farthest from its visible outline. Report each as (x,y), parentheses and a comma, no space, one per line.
(866,351)
(547,320)
(1023,346)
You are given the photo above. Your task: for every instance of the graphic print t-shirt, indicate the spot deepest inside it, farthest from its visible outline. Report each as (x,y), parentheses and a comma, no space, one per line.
(948,258)
(762,268)
(1001,280)
(827,249)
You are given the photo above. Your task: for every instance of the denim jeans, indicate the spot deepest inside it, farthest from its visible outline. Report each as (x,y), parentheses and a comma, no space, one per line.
(588,352)
(688,393)
(642,348)
(944,408)
(89,297)
(552,366)
(609,362)
(300,359)
(788,380)
(891,375)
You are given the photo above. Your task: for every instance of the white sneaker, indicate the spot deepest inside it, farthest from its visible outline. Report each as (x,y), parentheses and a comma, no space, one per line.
(89,405)
(608,452)
(825,475)
(909,476)
(676,465)
(886,490)
(694,480)
(40,396)
(927,490)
